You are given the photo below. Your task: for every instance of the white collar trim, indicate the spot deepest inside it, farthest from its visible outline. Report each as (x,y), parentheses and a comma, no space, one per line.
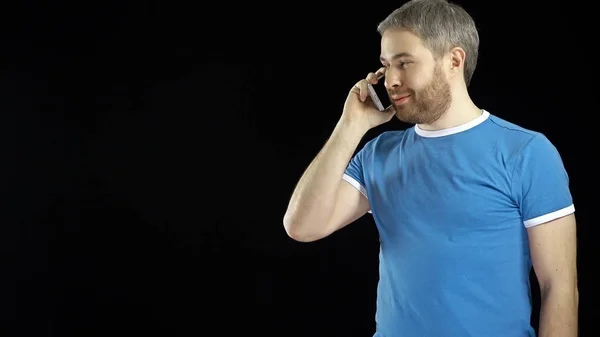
(453,130)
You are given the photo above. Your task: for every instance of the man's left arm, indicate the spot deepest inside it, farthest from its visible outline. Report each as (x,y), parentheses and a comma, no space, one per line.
(553,247)
(540,187)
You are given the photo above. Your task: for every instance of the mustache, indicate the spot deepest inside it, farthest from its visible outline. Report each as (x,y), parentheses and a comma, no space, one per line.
(399,93)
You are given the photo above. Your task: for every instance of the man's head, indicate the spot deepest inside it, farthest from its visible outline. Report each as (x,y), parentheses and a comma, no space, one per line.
(429,49)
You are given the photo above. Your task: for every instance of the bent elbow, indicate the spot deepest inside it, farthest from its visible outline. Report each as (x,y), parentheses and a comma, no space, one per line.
(293,231)
(302,237)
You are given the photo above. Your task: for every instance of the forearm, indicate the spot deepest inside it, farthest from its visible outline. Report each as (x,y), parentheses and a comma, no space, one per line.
(315,194)
(559,312)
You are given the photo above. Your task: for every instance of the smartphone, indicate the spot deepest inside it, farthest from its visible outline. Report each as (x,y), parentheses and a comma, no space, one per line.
(379,95)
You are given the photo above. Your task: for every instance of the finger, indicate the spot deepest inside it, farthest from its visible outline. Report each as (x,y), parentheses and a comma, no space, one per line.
(360,89)
(364,91)
(372,78)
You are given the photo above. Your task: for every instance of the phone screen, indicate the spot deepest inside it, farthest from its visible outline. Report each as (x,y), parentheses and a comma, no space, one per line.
(379,93)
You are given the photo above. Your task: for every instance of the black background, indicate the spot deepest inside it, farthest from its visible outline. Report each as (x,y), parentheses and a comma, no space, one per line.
(150,150)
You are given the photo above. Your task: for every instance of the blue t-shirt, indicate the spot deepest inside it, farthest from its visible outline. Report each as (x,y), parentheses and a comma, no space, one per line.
(452,208)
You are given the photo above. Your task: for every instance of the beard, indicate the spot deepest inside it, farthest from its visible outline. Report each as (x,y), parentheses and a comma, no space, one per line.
(428,104)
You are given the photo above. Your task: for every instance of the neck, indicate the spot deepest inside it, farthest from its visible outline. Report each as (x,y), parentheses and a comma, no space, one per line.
(461,111)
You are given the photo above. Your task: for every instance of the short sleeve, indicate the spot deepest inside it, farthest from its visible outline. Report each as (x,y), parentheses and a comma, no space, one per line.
(354,173)
(540,183)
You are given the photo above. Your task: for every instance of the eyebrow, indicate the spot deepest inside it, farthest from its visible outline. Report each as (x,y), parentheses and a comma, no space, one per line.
(397,56)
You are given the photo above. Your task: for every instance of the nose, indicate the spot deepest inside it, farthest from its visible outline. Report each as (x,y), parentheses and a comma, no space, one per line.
(393,79)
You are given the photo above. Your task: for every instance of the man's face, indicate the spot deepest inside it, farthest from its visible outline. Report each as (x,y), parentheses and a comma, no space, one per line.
(416,83)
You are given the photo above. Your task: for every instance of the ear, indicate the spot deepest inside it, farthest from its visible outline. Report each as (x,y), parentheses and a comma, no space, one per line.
(457,60)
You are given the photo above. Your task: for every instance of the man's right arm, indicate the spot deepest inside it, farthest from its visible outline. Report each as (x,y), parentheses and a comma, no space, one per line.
(322,201)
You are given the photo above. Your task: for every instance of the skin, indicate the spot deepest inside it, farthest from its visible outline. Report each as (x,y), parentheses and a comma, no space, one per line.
(438,94)
(323,202)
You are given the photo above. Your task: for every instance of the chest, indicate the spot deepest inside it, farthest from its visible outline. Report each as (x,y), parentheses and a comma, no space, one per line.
(446,192)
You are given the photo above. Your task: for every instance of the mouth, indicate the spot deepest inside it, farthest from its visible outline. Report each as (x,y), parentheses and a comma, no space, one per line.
(400,99)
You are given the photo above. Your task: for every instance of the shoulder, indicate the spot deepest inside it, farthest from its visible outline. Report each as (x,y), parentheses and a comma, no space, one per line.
(382,144)
(526,151)
(510,131)
(517,139)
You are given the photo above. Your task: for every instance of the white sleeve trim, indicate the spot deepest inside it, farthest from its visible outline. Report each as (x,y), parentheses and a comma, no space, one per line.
(356,185)
(549,217)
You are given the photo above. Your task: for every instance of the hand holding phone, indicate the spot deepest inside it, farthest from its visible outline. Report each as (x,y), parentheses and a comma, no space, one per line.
(366,105)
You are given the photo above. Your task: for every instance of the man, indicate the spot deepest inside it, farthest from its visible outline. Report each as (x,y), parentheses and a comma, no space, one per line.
(465,203)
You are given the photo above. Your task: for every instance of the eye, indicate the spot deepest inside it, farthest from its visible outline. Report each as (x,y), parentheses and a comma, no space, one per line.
(403,64)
